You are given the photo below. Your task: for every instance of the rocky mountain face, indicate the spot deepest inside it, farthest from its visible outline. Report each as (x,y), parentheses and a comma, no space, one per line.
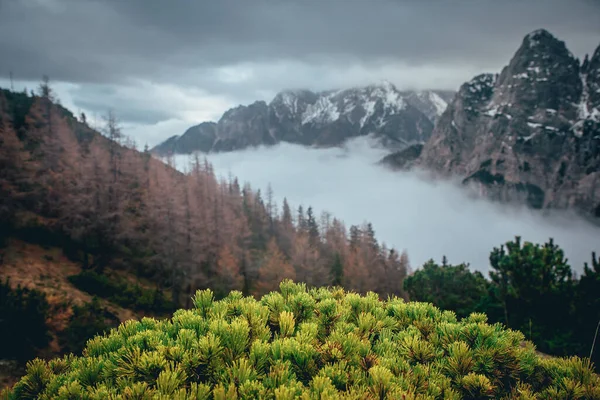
(326,118)
(200,137)
(531,133)
(252,121)
(432,103)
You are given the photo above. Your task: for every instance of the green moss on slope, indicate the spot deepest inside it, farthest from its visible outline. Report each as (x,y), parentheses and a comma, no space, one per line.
(312,344)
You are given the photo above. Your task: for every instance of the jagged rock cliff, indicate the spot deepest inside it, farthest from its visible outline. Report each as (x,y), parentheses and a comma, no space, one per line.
(531,133)
(432,103)
(252,121)
(199,137)
(327,118)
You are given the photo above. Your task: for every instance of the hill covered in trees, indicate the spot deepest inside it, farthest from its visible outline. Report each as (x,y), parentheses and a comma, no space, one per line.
(141,237)
(317,343)
(108,204)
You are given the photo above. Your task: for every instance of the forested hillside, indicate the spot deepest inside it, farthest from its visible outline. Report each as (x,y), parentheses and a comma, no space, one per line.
(142,237)
(110,205)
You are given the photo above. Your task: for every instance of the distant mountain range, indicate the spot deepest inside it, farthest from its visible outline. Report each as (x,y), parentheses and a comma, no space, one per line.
(530,133)
(397,118)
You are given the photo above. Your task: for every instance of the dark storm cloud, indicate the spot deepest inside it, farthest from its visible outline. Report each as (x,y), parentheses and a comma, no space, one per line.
(113,40)
(163,64)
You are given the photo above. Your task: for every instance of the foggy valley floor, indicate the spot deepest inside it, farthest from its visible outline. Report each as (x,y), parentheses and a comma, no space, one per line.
(428,219)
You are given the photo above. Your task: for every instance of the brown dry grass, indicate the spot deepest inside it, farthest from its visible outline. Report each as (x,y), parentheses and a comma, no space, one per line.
(47,270)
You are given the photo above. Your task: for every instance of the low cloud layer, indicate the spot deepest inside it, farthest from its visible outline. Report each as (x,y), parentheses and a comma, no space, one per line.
(427,219)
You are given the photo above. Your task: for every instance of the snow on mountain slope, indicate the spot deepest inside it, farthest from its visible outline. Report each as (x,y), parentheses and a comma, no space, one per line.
(439,103)
(323,111)
(528,134)
(430,102)
(326,118)
(365,101)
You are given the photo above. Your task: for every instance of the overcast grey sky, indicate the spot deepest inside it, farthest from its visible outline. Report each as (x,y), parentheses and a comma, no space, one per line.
(165,65)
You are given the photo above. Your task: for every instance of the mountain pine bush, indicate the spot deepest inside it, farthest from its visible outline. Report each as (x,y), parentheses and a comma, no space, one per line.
(310,344)
(23,328)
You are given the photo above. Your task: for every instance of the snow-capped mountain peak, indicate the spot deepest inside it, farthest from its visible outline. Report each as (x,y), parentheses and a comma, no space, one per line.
(323,111)
(435,99)
(391,98)
(326,118)
(432,103)
(290,99)
(351,103)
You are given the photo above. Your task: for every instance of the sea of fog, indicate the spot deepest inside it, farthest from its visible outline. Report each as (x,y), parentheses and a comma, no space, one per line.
(428,219)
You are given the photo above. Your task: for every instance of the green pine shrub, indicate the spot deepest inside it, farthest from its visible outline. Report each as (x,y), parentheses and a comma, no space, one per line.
(23,328)
(121,292)
(87,321)
(310,344)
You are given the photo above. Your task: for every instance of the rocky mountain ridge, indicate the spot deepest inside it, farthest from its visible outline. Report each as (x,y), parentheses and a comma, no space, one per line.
(530,133)
(397,118)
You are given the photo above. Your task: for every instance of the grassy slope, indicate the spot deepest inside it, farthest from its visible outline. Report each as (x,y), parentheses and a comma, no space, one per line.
(46,269)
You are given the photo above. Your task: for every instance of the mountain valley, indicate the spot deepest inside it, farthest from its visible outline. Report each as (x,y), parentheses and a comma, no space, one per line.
(529,135)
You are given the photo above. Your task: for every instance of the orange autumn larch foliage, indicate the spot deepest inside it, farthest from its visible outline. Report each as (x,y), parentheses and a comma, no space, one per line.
(273,270)
(124,208)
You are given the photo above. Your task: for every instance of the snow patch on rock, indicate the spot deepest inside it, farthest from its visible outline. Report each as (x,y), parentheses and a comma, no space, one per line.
(439,103)
(332,106)
(323,111)
(291,101)
(369,108)
(582,108)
